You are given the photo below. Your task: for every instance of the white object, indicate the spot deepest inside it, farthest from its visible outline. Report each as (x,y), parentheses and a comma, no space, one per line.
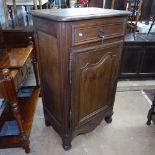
(25,2)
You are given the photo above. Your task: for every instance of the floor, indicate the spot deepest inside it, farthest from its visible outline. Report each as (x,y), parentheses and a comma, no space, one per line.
(126,135)
(135,85)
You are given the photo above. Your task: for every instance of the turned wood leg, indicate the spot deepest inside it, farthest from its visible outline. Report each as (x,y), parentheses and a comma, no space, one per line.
(15,12)
(5,13)
(24,139)
(9,84)
(66,143)
(35,4)
(27,18)
(35,68)
(25,142)
(108,119)
(40,4)
(11,16)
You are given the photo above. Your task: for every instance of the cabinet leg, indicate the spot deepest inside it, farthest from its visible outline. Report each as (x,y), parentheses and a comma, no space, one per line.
(47,123)
(149,116)
(108,119)
(25,143)
(151,112)
(67,143)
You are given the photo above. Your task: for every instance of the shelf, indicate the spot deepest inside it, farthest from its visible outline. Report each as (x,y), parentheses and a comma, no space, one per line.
(15,57)
(27,108)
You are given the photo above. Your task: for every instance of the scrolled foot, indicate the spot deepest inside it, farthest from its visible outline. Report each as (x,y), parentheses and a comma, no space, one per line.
(47,123)
(27,150)
(148,122)
(67,147)
(66,143)
(108,119)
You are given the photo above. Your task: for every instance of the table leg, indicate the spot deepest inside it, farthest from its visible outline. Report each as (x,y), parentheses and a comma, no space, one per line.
(6,13)
(40,4)
(35,4)
(11,16)
(113,4)
(15,11)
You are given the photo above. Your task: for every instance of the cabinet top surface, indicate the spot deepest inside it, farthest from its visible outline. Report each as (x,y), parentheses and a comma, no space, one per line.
(72,14)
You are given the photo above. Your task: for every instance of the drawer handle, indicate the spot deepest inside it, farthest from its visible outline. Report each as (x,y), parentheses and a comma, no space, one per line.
(101,35)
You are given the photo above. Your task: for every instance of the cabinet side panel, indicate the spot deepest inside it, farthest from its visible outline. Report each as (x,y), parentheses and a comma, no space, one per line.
(49,72)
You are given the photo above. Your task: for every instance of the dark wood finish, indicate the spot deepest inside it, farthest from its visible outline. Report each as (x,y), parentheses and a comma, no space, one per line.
(142,53)
(20,52)
(76,14)
(96,3)
(16,37)
(153,9)
(151,113)
(16,57)
(22,109)
(18,60)
(108,4)
(120,4)
(148,9)
(116,4)
(79,60)
(21,59)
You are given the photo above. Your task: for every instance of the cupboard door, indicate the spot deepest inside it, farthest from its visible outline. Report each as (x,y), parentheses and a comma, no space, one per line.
(94,75)
(131,61)
(148,61)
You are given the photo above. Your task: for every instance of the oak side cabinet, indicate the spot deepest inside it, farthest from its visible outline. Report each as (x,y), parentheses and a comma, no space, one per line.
(79,51)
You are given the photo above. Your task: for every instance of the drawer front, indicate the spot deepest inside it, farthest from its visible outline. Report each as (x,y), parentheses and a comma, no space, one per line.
(93,33)
(18,79)
(22,73)
(26,67)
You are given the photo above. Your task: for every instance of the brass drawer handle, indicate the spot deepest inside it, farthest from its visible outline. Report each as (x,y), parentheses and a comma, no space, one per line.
(101,35)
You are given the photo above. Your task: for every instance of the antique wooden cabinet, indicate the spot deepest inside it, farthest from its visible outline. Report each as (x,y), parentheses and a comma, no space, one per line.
(79,53)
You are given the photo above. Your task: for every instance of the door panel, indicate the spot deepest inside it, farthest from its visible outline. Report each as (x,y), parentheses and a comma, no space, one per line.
(131,60)
(148,62)
(93,75)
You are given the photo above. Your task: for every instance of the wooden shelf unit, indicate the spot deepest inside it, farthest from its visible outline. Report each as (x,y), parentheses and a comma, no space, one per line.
(27,107)
(19,55)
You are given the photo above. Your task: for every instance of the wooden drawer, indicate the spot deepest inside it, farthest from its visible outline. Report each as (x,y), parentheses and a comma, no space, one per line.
(22,73)
(82,34)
